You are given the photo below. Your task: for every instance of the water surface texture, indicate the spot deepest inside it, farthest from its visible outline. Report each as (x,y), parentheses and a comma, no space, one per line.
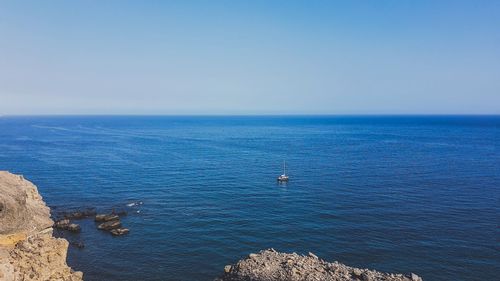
(395,194)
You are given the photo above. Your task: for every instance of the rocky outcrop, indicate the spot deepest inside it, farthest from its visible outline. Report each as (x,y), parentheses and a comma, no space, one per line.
(28,251)
(111,223)
(270,265)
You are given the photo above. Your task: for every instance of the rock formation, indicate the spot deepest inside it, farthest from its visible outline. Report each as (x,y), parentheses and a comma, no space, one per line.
(28,251)
(111,223)
(270,265)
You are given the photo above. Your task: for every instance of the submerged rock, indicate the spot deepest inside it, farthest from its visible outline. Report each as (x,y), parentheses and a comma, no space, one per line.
(120,213)
(270,265)
(81,214)
(78,245)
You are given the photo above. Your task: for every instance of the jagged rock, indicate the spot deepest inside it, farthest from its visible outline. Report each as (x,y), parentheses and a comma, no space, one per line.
(109,225)
(23,210)
(357,272)
(28,251)
(313,255)
(66,225)
(415,277)
(270,265)
(366,276)
(119,231)
(106,217)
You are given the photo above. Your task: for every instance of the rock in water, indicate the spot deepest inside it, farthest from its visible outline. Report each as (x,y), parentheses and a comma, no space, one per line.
(106,217)
(270,265)
(74,227)
(109,225)
(78,215)
(28,251)
(119,231)
(78,245)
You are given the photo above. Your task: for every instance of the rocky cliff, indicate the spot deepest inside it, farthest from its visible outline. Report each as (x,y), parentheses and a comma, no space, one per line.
(28,251)
(270,265)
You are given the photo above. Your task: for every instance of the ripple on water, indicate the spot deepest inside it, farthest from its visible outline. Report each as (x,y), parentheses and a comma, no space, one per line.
(396,194)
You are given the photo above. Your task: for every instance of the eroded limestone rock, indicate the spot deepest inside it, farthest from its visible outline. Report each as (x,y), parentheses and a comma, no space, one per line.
(270,265)
(28,251)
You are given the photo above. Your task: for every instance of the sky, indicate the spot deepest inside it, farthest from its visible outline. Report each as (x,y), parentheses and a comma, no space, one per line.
(249,57)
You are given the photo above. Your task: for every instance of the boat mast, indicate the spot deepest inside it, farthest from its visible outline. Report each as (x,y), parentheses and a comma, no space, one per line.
(284,168)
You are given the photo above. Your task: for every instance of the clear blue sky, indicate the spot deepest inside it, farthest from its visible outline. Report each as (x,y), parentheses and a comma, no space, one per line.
(250,57)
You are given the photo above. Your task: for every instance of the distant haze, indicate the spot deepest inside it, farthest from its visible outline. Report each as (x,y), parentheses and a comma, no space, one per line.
(250,57)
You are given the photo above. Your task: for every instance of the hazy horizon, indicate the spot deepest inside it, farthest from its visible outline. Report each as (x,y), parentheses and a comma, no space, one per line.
(249,58)
(251,114)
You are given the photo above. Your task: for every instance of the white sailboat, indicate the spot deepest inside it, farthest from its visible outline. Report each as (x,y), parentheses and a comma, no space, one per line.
(283,177)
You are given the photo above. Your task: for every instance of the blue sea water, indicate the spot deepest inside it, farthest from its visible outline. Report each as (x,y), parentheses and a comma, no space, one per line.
(394,193)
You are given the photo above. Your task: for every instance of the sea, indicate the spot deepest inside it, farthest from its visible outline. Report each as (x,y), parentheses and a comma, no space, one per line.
(393,193)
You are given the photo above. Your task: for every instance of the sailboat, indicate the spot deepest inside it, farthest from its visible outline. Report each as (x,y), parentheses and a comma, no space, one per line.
(283,177)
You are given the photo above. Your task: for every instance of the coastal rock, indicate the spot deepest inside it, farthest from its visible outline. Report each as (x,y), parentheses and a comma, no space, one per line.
(357,272)
(62,224)
(28,251)
(119,231)
(111,222)
(269,265)
(109,225)
(313,255)
(74,227)
(106,217)
(65,224)
(23,210)
(80,214)
(366,276)
(415,277)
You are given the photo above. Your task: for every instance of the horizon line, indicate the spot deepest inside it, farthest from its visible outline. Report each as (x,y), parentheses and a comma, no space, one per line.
(255,115)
